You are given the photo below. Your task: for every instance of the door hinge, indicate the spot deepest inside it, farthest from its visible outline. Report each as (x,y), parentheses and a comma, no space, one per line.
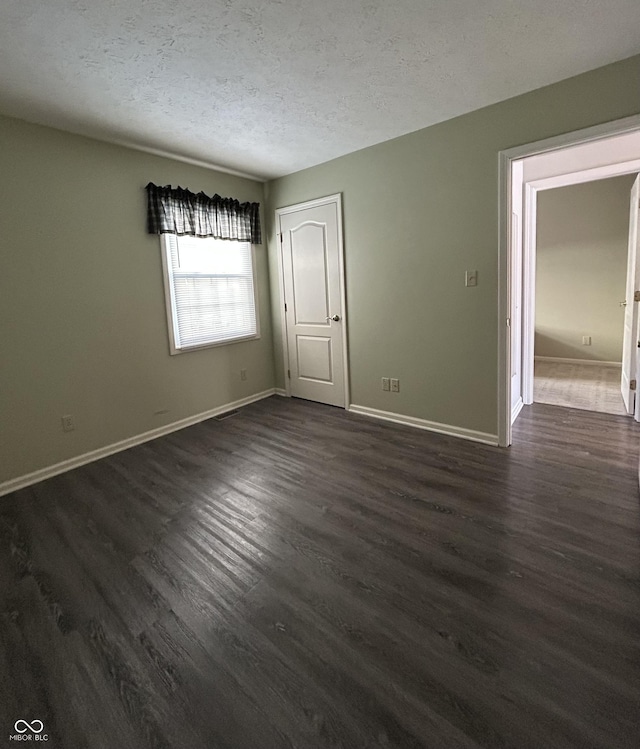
(508,322)
(289,374)
(280,236)
(285,306)
(636,296)
(632,385)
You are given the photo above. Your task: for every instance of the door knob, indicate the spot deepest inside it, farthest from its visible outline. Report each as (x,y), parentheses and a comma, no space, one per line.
(335,318)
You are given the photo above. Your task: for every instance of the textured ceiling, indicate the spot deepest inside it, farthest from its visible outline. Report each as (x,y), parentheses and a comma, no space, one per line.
(268,87)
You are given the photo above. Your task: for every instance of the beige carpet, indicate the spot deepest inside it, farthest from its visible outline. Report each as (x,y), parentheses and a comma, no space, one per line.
(586,386)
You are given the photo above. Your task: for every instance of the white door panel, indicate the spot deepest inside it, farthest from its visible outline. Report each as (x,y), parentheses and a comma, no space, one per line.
(630,340)
(314,358)
(310,295)
(312,278)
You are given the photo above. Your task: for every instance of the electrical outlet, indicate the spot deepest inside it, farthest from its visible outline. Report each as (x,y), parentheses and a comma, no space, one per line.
(471,278)
(67,424)
(395,385)
(385,384)
(586,340)
(243,374)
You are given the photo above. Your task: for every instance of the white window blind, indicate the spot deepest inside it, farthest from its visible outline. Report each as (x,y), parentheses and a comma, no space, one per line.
(211,288)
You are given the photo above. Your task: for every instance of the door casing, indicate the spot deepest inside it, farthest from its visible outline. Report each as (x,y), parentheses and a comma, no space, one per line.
(329,199)
(630,340)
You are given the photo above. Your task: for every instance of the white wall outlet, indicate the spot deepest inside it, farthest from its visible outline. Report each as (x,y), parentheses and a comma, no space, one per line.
(243,374)
(586,340)
(471,278)
(67,424)
(395,385)
(385,384)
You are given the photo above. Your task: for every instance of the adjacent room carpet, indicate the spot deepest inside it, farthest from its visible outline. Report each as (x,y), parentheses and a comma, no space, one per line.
(586,386)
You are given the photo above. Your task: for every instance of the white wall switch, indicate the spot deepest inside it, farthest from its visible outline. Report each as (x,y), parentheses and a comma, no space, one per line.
(385,383)
(395,385)
(586,340)
(471,278)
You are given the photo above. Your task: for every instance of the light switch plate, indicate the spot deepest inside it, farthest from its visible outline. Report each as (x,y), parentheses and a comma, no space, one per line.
(471,278)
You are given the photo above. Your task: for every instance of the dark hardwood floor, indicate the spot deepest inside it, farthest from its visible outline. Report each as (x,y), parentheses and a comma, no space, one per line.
(297,576)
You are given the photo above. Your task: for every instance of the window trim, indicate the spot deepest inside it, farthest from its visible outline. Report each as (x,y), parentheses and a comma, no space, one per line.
(170,305)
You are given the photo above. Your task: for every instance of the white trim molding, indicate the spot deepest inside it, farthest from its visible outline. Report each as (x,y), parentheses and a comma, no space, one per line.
(102,452)
(515,411)
(429,426)
(588,362)
(282,392)
(528,291)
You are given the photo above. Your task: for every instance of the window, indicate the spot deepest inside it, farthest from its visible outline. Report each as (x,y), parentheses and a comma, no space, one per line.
(209,291)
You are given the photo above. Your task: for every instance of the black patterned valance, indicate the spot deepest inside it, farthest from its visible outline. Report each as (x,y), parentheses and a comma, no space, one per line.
(177,211)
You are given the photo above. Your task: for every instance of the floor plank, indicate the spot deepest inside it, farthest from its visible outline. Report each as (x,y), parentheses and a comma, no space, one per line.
(298,576)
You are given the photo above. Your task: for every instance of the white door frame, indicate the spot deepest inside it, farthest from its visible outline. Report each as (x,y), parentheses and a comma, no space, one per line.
(530,249)
(337,199)
(505,250)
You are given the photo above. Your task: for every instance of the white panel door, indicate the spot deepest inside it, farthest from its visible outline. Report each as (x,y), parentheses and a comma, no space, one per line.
(311,265)
(630,340)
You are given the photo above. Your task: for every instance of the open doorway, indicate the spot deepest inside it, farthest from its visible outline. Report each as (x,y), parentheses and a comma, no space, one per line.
(595,154)
(581,254)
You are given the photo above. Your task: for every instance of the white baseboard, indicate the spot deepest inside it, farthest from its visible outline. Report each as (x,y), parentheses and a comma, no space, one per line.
(66,465)
(589,362)
(282,392)
(516,410)
(430,426)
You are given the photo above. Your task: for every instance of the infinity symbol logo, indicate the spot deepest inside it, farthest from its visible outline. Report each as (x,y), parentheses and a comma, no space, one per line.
(33,726)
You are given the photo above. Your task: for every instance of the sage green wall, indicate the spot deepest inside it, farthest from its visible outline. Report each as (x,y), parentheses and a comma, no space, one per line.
(581,269)
(418,211)
(82,315)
